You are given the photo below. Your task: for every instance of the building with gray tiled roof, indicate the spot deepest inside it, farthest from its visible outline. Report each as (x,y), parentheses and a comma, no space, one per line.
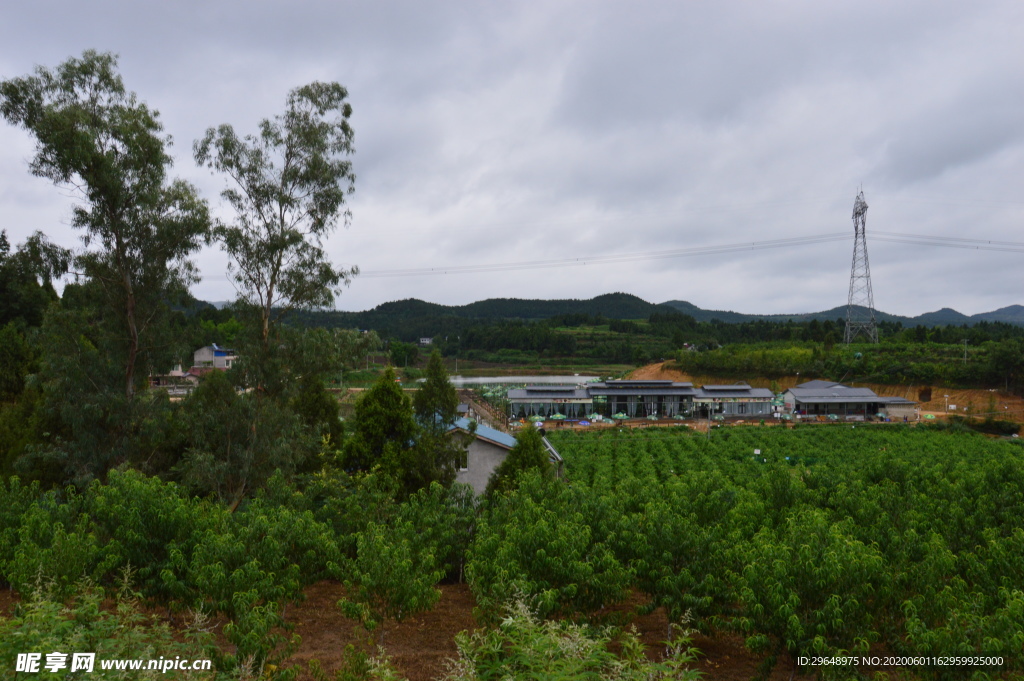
(825,398)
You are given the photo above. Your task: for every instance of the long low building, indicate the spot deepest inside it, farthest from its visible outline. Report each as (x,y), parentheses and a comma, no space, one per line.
(635,399)
(827,398)
(545,400)
(658,398)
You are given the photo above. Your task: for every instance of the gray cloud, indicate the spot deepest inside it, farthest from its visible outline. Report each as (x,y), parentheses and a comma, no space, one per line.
(489,133)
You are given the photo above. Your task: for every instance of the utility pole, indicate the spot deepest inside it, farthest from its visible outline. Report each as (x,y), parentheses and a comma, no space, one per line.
(965,352)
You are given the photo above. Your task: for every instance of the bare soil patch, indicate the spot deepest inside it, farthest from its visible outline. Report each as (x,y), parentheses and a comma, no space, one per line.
(420,646)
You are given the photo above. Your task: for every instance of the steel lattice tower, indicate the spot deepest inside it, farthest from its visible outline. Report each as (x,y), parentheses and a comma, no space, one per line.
(860,307)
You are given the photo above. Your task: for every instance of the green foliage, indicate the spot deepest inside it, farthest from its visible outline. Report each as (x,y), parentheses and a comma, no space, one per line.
(392,577)
(15,360)
(94,137)
(55,541)
(250,566)
(24,298)
(436,403)
(20,429)
(808,590)
(236,441)
(828,540)
(995,360)
(152,526)
(444,518)
(525,647)
(15,500)
(404,354)
(347,504)
(289,187)
(85,425)
(318,410)
(261,556)
(678,539)
(528,454)
(539,541)
(384,434)
(44,623)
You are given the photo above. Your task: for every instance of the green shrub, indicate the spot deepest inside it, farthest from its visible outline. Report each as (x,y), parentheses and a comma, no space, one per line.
(538,541)
(526,647)
(43,623)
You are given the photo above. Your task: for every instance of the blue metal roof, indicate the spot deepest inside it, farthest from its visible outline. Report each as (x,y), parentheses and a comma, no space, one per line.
(486,433)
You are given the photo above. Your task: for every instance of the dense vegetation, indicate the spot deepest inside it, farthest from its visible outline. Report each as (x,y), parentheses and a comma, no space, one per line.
(903,360)
(811,541)
(769,348)
(818,541)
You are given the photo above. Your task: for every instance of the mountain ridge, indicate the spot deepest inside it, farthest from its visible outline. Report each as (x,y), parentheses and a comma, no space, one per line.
(620,305)
(1012,314)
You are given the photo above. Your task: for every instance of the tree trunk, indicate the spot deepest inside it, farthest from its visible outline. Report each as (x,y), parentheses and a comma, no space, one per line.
(133,344)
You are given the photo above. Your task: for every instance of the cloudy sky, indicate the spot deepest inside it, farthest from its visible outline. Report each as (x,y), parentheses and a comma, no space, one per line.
(490,133)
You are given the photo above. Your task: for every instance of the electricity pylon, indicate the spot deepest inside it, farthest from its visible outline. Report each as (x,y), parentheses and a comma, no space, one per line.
(860,307)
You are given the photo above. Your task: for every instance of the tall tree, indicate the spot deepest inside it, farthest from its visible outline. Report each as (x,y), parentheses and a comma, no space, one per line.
(384,430)
(95,138)
(288,194)
(441,448)
(436,402)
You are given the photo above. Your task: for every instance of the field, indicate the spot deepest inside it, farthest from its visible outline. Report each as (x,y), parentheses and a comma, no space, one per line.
(893,538)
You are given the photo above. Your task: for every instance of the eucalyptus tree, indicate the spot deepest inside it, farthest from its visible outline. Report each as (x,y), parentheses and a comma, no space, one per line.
(288,185)
(96,139)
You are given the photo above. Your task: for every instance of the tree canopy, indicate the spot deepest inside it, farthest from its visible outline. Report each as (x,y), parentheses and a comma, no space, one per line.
(288,191)
(94,137)
(528,453)
(436,402)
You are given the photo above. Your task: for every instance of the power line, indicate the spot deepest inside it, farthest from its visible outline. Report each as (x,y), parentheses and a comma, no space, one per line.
(889,237)
(611,259)
(949,242)
(721,249)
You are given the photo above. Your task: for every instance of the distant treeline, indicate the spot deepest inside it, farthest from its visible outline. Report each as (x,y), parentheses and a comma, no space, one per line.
(990,363)
(915,354)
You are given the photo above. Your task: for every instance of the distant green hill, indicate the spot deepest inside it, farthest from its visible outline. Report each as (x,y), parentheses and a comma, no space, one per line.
(1013,314)
(413,318)
(944,317)
(610,305)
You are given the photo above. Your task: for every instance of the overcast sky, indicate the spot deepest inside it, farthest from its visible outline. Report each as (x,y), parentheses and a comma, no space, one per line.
(506,132)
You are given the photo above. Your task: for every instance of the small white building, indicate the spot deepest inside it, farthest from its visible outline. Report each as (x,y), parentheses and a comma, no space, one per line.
(213,357)
(486,452)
